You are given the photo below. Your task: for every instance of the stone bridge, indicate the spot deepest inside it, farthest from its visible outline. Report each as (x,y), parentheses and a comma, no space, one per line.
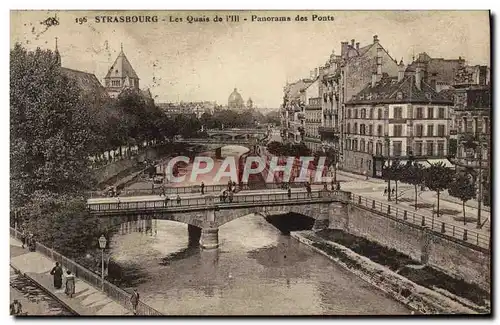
(205,214)
(235,134)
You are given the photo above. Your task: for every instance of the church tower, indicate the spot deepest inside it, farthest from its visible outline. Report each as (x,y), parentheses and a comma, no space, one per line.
(121,75)
(249,103)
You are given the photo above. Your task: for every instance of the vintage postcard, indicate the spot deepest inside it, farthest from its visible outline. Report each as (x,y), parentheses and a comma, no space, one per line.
(245,163)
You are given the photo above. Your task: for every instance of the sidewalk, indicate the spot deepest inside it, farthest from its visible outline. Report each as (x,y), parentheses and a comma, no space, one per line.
(87,301)
(373,188)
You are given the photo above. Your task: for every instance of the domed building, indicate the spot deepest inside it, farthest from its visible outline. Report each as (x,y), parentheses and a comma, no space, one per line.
(235,101)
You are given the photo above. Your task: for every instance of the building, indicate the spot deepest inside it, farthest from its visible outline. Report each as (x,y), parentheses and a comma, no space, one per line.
(312,113)
(345,75)
(249,103)
(293,109)
(187,108)
(395,118)
(235,101)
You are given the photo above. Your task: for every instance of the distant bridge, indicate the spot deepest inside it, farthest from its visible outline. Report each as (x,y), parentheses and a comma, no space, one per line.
(235,134)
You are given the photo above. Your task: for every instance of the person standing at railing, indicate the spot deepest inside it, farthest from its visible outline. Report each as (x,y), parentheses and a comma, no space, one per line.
(32,243)
(178,199)
(163,190)
(289,192)
(23,238)
(70,284)
(202,188)
(57,272)
(230,196)
(134,299)
(338,186)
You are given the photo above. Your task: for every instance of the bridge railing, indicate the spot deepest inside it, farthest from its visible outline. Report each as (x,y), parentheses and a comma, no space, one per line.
(117,294)
(218,200)
(197,189)
(433,223)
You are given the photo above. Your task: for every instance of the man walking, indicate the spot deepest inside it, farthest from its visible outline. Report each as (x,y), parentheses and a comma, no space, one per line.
(202,188)
(134,299)
(57,272)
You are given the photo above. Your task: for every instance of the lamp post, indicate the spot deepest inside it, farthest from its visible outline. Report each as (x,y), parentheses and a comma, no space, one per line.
(102,245)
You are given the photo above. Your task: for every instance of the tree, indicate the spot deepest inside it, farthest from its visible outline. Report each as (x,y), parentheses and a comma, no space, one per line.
(395,174)
(50,133)
(413,174)
(275,148)
(437,178)
(464,189)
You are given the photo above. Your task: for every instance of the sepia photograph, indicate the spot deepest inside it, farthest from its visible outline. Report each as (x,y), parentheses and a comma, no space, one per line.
(250,163)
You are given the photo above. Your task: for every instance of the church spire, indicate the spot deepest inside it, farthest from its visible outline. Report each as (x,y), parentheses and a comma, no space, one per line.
(58,56)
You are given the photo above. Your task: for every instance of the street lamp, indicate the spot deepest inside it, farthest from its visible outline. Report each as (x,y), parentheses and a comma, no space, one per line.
(102,245)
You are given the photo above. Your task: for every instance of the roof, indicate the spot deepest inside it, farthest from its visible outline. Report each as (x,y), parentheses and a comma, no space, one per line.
(389,90)
(88,82)
(297,87)
(146,94)
(121,68)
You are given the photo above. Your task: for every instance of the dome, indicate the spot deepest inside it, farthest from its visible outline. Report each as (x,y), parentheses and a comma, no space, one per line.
(235,100)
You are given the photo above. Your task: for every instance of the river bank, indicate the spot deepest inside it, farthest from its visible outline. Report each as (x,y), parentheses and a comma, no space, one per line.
(402,278)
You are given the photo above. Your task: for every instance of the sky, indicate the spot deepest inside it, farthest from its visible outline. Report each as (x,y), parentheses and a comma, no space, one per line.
(181,61)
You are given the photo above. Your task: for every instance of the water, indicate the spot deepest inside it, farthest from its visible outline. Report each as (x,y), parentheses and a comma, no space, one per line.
(256,271)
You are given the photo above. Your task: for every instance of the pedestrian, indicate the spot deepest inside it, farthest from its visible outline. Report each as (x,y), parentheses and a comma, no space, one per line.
(393,191)
(70,284)
(289,191)
(234,186)
(178,199)
(366,174)
(338,186)
(23,238)
(57,272)
(385,191)
(325,186)
(221,196)
(153,188)
(230,196)
(202,188)
(167,199)
(163,191)
(308,189)
(134,299)
(32,244)
(16,308)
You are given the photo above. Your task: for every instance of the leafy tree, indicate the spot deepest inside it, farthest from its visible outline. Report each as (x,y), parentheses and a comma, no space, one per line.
(395,172)
(50,133)
(275,148)
(413,174)
(438,178)
(464,189)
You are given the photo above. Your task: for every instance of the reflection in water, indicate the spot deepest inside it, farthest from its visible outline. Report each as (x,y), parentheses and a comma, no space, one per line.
(256,271)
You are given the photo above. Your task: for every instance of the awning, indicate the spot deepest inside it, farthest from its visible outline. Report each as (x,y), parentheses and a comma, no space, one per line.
(446,162)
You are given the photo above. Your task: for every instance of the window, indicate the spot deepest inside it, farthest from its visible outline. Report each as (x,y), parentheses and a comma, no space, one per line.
(430,112)
(348,128)
(370,129)
(355,131)
(355,113)
(349,113)
(386,113)
(418,148)
(398,112)
(362,129)
(419,130)
(379,114)
(440,149)
(379,130)
(115,83)
(420,112)
(468,125)
(486,128)
(370,147)
(362,145)
(441,113)
(354,145)
(441,130)
(378,149)
(430,148)
(371,114)
(430,130)
(399,95)
(398,130)
(397,148)
(363,113)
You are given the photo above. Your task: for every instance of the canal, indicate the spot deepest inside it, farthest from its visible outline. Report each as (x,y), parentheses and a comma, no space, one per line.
(257,270)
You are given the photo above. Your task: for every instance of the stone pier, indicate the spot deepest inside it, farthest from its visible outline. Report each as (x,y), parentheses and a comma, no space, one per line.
(323,218)
(194,235)
(209,238)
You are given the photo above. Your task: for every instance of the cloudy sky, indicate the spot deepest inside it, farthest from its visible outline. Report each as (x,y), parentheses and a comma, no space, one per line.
(205,61)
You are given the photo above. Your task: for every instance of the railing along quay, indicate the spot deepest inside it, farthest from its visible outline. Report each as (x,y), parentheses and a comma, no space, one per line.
(237,200)
(433,223)
(197,189)
(117,294)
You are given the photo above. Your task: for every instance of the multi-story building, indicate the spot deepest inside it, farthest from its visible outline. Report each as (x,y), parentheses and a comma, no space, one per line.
(395,118)
(472,119)
(187,108)
(345,75)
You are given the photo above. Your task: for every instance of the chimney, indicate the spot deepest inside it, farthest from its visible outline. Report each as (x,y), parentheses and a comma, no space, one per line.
(418,78)
(375,38)
(357,46)
(374,79)
(379,61)
(352,42)
(401,71)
